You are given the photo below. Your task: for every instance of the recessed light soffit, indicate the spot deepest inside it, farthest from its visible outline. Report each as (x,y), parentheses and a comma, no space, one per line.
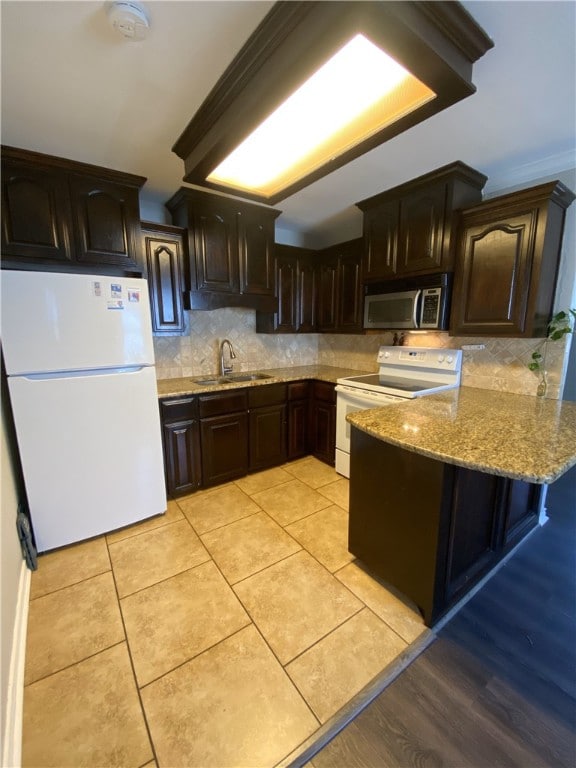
(320,83)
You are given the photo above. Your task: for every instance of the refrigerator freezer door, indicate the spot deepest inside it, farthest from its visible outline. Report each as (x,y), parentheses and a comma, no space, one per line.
(91,452)
(64,322)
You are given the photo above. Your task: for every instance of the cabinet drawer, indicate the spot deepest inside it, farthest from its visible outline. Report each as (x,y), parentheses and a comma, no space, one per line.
(298,390)
(223,402)
(182,409)
(324,390)
(268,394)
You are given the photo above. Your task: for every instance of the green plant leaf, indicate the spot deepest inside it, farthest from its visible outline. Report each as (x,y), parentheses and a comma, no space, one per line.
(560,324)
(558,333)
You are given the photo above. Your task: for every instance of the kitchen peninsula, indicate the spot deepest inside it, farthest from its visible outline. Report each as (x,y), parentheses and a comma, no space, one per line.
(443,487)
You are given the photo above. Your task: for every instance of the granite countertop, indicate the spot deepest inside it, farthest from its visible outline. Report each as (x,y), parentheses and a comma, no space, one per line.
(189,385)
(516,436)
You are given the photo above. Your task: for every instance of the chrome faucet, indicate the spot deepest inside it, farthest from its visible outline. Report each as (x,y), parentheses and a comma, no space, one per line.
(224,369)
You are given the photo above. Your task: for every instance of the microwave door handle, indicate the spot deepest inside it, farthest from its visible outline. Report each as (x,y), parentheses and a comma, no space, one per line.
(417,302)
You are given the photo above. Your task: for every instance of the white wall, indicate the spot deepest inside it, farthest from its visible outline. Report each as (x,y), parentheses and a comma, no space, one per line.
(10,570)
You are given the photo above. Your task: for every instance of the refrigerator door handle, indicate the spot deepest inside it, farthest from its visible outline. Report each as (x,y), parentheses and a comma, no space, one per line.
(86,373)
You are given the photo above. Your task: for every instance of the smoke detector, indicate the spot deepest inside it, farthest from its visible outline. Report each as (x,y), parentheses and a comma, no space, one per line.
(129,19)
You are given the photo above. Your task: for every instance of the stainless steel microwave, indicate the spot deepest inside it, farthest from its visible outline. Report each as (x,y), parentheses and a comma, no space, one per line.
(415,303)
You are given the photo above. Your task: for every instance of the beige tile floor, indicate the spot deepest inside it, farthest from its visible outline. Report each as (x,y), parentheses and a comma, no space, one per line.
(224,633)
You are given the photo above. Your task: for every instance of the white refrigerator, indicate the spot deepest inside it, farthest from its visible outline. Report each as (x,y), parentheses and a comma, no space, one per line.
(80,363)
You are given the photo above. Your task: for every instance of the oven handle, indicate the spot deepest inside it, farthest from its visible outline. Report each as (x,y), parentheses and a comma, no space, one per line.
(364,396)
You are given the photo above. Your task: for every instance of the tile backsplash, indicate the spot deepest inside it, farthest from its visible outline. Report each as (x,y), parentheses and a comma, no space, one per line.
(198,353)
(501,365)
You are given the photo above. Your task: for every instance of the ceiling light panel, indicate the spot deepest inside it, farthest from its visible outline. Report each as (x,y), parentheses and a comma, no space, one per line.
(424,51)
(352,96)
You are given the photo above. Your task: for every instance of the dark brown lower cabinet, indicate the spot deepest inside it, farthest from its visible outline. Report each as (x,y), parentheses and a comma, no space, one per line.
(267,426)
(217,437)
(323,421)
(223,436)
(224,448)
(522,506)
(181,436)
(431,530)
(298,419)
(473,501)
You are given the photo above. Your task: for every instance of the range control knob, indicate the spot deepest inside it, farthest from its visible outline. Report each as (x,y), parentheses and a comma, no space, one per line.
(440,358)
(449,359)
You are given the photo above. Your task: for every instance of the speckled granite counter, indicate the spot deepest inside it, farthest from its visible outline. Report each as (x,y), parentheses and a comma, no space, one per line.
(516,436)
(189,385)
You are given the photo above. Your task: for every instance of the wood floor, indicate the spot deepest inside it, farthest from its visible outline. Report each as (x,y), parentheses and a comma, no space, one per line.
(498,685)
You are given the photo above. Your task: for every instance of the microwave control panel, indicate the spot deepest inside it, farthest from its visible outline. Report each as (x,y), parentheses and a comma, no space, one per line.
(429,315)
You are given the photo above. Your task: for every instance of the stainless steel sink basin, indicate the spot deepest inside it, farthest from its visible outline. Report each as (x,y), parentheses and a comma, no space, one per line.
(247,376)
(231,378)
(211,382)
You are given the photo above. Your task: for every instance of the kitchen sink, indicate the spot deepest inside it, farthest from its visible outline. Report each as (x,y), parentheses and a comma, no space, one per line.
(247,376)
(211,382)
(231,378)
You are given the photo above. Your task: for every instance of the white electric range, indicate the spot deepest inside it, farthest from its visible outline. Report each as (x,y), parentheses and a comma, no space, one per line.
(403,373)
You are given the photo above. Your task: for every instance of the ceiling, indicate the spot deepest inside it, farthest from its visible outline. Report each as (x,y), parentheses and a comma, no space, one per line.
(73,87)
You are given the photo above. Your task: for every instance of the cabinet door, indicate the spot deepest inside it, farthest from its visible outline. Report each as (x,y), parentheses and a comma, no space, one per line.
(164,260)
(36,216)
(215,249)
(421,238)
(349,293)
(381,241)
(255,243)
(323,422)
(298,425)
(182,457)
(521,509)
(328,296)
(224,441)
(267,436)
(473,537)
(307,294)
(286,292)
(107,221)
(493,280)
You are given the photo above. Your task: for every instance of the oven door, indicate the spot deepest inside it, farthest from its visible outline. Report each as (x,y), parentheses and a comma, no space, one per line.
(350,400)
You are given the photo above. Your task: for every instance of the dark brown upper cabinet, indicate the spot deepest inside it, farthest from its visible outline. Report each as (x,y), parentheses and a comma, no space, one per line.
(381,227)
(307,293)
(58,214)
(411,229)
(340,288)
(230,245)
(317,291)
(285,319)
(328,293)
(509,252)
(295,274)
(437,42)
(164,250)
